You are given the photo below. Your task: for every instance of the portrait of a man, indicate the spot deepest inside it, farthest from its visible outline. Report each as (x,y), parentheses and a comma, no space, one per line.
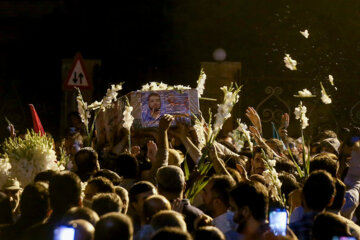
(152,109)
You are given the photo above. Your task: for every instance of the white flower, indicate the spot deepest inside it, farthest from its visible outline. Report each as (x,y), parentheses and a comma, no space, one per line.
(331,80)
(324,97)
(95,105)
(29,156)
(181,87)
(272,163)
(305,33)
(290,63)
(201,83)
(304,93)
(83,110)
(145,87)
(162,86)
(128,118)
(110,96)
(230,98)
(300,112)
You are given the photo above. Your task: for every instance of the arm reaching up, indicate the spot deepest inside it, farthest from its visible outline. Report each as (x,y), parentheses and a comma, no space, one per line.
(254,118)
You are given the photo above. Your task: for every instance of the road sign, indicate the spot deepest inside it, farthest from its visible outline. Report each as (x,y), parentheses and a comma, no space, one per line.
(77,76)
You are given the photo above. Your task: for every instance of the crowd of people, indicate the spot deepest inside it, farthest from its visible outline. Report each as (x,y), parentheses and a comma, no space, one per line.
(139,192)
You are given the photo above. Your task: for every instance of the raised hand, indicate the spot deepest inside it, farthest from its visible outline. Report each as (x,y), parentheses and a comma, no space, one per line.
(284,124)
(151,151)
(165,122)
(254,118)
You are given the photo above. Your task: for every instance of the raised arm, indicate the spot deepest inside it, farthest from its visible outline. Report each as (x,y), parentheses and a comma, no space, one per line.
(254,118)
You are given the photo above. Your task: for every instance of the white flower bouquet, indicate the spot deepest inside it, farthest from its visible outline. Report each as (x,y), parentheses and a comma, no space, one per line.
(29,156)
(85,110)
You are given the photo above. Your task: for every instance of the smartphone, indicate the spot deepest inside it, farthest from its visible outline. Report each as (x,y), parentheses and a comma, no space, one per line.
(343,238)
(64,232)
(278,219)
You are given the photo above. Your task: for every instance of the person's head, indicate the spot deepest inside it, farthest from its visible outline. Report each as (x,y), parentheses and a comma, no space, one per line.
(5,209)
(318,190)
(13,190)
(327,225)
(154,101)
(64,190)
(172,233)
(216,194)
(44,176)
(168,218)
(339,199)
(330,145)
(324,161)
(171,182)
(289,183)
(106,202)
(126,166)
(209,233)
(257,161)
(249,201)
(138,193)
(152,205)
(83,229)
(124,196)
(276,145)
(98,185)
(111,175)
(87,163)
(34,203)
(84,213)
(114,226)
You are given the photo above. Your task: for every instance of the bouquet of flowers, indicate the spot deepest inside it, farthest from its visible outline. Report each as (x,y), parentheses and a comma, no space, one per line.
(240,135)
(231,96)
(85,110)
(29,156)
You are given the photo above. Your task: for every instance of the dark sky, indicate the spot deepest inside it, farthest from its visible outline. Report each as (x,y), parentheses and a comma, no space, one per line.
(165,40)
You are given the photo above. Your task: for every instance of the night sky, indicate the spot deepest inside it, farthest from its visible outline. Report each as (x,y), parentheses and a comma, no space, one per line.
(142,41)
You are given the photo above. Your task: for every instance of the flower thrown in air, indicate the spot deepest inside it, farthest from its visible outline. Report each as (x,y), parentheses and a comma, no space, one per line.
(324,97)
(289,62)
(201,83)
(300,112)
(305,93)
(305,33)
(331,80)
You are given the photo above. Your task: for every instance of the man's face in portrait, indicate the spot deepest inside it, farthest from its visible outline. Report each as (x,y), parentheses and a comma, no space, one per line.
(154,103)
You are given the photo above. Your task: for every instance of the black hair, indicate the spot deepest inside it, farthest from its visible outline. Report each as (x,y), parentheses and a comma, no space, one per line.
(221,185)
(140,187)
(126,166)
(84,213)
(339,196)
(103,185)
(114,226)
(253,195)
(64,190)
(5,209)
(172,233)
(86,160)
(327,225)
(318,190)
(106,202)
(208,232)
(44,176)
(111,175)
(324,162)
(34,202)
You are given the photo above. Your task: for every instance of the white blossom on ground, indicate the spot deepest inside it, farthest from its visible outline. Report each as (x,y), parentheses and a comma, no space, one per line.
(289,62)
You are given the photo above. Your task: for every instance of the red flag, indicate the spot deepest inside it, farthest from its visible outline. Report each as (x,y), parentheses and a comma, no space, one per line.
(38,128)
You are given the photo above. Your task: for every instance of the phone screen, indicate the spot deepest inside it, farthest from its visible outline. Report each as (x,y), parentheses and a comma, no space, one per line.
(343,238)
(64,233)
(278,221)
